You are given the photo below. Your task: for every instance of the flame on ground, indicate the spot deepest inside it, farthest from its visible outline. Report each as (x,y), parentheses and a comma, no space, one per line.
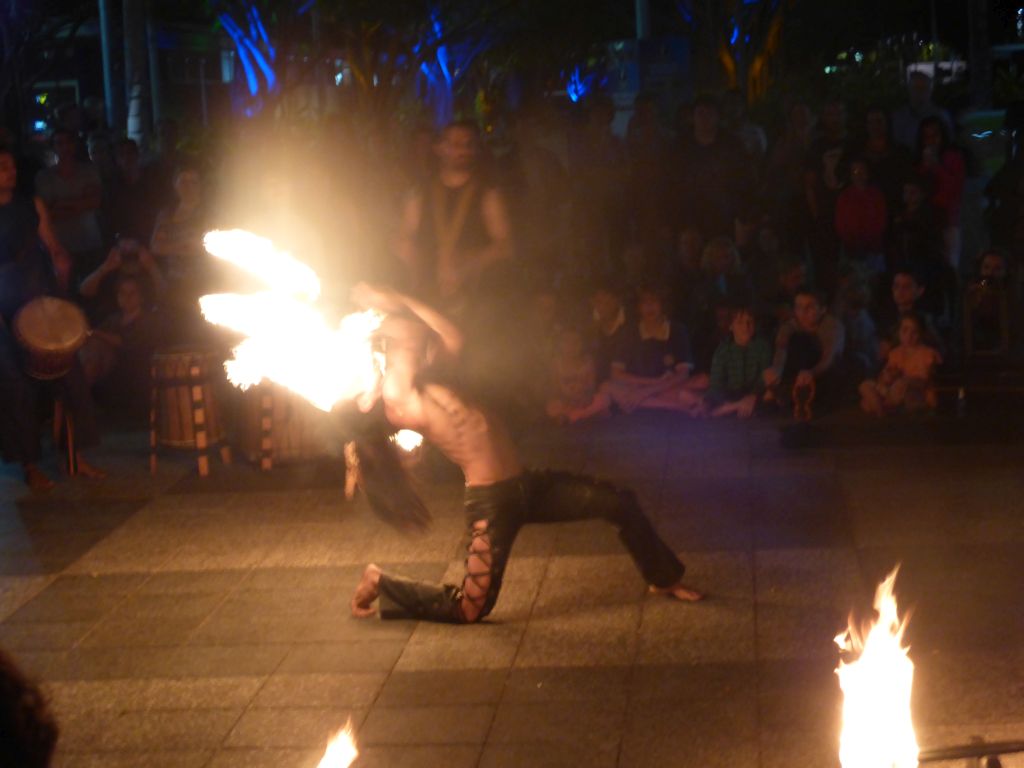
(341,750)
(877,730)
(288,340)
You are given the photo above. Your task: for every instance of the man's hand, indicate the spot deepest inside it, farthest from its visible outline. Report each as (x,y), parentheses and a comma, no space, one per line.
(804,379)
(372,297)
(745,407)
(113,261)
(629,399)
(62,268)
(146,259)
(770,377)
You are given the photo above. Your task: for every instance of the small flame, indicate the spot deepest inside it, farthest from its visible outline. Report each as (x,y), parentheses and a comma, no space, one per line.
(341,750)
(877,731)
(407,440)
(288,340)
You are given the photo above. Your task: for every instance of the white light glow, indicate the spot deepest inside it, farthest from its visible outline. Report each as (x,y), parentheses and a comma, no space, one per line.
(407,440)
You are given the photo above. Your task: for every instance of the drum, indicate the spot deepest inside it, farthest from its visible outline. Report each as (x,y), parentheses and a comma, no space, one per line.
(187,383)
(276,426)
(51,330)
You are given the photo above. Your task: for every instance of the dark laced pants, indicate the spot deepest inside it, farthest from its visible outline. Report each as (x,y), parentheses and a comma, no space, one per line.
(494,515)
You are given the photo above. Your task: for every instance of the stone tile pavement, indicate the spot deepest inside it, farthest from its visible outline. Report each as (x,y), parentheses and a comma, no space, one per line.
(183,622)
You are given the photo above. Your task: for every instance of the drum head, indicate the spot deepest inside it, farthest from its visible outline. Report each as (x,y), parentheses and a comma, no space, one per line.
(47,324)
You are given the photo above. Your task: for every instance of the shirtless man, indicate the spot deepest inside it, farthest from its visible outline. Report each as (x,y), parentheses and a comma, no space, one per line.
(500,496)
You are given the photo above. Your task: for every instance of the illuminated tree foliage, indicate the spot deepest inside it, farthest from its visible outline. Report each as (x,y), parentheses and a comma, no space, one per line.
(33,37)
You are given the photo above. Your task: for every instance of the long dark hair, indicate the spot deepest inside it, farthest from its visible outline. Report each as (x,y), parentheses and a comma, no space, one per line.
(29,731)
(386,483)
(944,141)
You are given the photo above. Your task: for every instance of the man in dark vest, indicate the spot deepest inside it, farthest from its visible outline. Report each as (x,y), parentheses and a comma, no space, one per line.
(456,226)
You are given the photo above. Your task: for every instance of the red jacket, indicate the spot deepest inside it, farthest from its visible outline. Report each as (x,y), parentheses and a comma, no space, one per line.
(861,219)
(948,176)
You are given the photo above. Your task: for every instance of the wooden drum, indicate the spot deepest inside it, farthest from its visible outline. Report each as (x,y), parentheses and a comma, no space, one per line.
(184,382)
(276,426)
(51,330)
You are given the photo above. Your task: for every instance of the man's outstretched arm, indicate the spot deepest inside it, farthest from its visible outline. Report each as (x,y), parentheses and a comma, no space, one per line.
(387,301)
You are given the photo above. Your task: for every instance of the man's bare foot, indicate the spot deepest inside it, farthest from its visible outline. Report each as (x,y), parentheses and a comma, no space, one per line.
(85,469)
(366,592)
(678,591)
(36,479)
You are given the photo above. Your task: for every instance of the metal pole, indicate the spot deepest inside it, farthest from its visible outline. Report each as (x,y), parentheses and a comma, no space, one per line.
(135,66)
(108,75)
(966,751)
(202,89)
(980,53)
(154,67)
(643,19)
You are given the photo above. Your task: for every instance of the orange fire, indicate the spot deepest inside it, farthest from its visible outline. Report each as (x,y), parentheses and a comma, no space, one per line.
(341,750)
(288,339)
(877,730)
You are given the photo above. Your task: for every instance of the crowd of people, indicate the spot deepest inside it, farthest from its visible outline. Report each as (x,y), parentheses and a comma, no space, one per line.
(712,269)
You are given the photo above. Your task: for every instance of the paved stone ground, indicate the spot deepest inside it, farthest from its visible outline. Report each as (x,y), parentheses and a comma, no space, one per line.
(184,622)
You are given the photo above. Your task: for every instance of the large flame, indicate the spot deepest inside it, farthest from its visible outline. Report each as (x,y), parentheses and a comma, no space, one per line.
(341,750)
(288,340)
(261,258)
(877,731)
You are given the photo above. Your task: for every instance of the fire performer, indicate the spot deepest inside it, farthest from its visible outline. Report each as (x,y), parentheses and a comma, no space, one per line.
(500,495)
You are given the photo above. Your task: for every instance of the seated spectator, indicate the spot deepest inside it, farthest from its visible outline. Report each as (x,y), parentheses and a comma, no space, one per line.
(943,165)
(178,233)
(723,280)
(905,299)
(133,203)
(907,381)
(714,171)
(684,274)
(610,327)
(71,191)
(737,369)
(907,119)
(824,177)
(808,351)
(990,307)
(653,364)
(787,162)
(116,358)
(127,257)
(575,393)
(714,328)
(861,220)
(915,242)
(737,121)
(761,259)
(779,293)
(861,355)
(888,163)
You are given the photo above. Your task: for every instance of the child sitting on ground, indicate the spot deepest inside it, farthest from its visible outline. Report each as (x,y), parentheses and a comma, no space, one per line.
(737,368)
(575,394)
(652,367)
(907,379)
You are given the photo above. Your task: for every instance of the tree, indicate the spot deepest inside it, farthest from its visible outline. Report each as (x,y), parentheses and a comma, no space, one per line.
(26,30)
